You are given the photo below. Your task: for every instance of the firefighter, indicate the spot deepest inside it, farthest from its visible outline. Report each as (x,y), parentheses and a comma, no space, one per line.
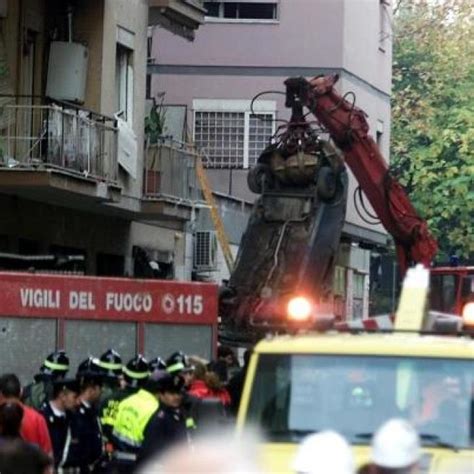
(132,416)
(157,364)
(395,448)
(178,364)
(58,412)
(55,367)
(86,417)
(133,374)
(110,363)
(168,424)
(324,452)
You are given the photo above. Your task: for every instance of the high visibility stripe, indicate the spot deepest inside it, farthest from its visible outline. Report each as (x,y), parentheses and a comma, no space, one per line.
(67,445)
(54,366)
(175,367)
(135,375)
(125,439)
(109,365)
(190,423)
(132,417)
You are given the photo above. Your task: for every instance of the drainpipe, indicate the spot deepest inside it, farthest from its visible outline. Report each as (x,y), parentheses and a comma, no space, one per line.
(69,23)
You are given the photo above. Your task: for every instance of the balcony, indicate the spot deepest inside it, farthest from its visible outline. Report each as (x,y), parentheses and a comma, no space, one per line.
(181,17)
(170,184)
(50,146)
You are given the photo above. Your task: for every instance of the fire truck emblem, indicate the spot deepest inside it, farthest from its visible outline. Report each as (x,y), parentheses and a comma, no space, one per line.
(168,303)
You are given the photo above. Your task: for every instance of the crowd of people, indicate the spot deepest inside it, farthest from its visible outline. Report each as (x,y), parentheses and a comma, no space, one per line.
(121,418)
(113,417)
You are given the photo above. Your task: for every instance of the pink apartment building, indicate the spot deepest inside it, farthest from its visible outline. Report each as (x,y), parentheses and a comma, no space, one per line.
(248,47)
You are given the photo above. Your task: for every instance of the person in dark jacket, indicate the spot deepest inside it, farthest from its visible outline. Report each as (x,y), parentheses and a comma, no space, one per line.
(16,455)
(54,367)
(33,425)
(168,425)
(86,417)
(179,364)
(236,384)
(58,413)
(225,359)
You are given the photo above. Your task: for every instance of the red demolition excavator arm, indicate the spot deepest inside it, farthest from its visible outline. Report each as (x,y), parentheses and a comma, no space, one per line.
(348,127)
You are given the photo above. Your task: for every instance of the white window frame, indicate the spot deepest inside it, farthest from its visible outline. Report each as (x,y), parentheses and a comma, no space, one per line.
(222,19)
(239,106)
(124,76)
(384,24)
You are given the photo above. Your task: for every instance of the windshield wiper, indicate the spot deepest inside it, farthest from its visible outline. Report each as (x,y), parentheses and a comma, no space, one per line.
(437,441)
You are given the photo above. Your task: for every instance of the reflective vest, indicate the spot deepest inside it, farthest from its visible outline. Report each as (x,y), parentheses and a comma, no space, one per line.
(132,417)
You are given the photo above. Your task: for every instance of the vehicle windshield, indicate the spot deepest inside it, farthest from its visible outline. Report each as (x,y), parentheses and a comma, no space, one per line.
(294,395)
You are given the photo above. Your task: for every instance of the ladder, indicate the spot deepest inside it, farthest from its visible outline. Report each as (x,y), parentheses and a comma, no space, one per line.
(215,216)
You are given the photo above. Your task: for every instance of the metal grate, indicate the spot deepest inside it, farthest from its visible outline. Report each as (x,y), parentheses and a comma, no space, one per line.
(260,133)
(221,136)
(232,139)
(205,250)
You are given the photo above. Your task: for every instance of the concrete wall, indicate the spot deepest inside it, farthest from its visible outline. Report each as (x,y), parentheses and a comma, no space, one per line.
(131,15)
(308,33)
(367,51)
(29,14)
(95,24)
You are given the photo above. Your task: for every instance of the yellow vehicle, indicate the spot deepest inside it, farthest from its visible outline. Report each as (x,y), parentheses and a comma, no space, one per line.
(352,383)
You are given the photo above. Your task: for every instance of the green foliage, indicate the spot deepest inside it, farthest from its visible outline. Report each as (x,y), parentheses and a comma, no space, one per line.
(433,116)
(155,121)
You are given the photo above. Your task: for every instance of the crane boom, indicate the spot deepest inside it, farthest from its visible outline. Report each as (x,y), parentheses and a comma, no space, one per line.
(348,127)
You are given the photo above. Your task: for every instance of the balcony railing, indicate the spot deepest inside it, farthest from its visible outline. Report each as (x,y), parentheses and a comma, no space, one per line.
(170,172)
(39,134)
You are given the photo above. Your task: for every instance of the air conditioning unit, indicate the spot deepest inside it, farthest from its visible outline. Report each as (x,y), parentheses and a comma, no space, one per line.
(205,251)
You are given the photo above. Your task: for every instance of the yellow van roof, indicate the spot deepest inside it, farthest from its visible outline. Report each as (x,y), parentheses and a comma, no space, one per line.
(415,345)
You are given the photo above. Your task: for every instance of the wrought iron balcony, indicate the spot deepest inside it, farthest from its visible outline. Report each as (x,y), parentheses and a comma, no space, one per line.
(40,134)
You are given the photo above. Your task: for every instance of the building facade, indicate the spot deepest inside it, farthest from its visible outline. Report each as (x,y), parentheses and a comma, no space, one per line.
(73,164)
(249,47)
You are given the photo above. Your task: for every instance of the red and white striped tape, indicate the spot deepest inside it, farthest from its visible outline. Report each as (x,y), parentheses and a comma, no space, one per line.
(383,322)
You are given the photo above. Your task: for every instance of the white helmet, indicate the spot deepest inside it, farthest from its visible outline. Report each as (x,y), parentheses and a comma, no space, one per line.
(324,452)
(396,445)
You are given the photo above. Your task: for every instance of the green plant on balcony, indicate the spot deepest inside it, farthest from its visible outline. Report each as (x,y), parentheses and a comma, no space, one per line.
(155,121)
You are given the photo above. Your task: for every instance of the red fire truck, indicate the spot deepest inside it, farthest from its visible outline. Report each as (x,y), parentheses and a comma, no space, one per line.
(87,315)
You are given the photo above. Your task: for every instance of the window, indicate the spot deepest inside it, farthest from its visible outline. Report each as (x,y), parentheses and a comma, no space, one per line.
(339,286)
(356,394)
(124,82)
(242,10)
(379,133)
(358,295)
(110,265)
(260,132)
(384,24)
(233,138)
(443,292)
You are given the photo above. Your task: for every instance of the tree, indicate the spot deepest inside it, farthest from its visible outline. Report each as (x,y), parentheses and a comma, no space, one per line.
(433,116)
